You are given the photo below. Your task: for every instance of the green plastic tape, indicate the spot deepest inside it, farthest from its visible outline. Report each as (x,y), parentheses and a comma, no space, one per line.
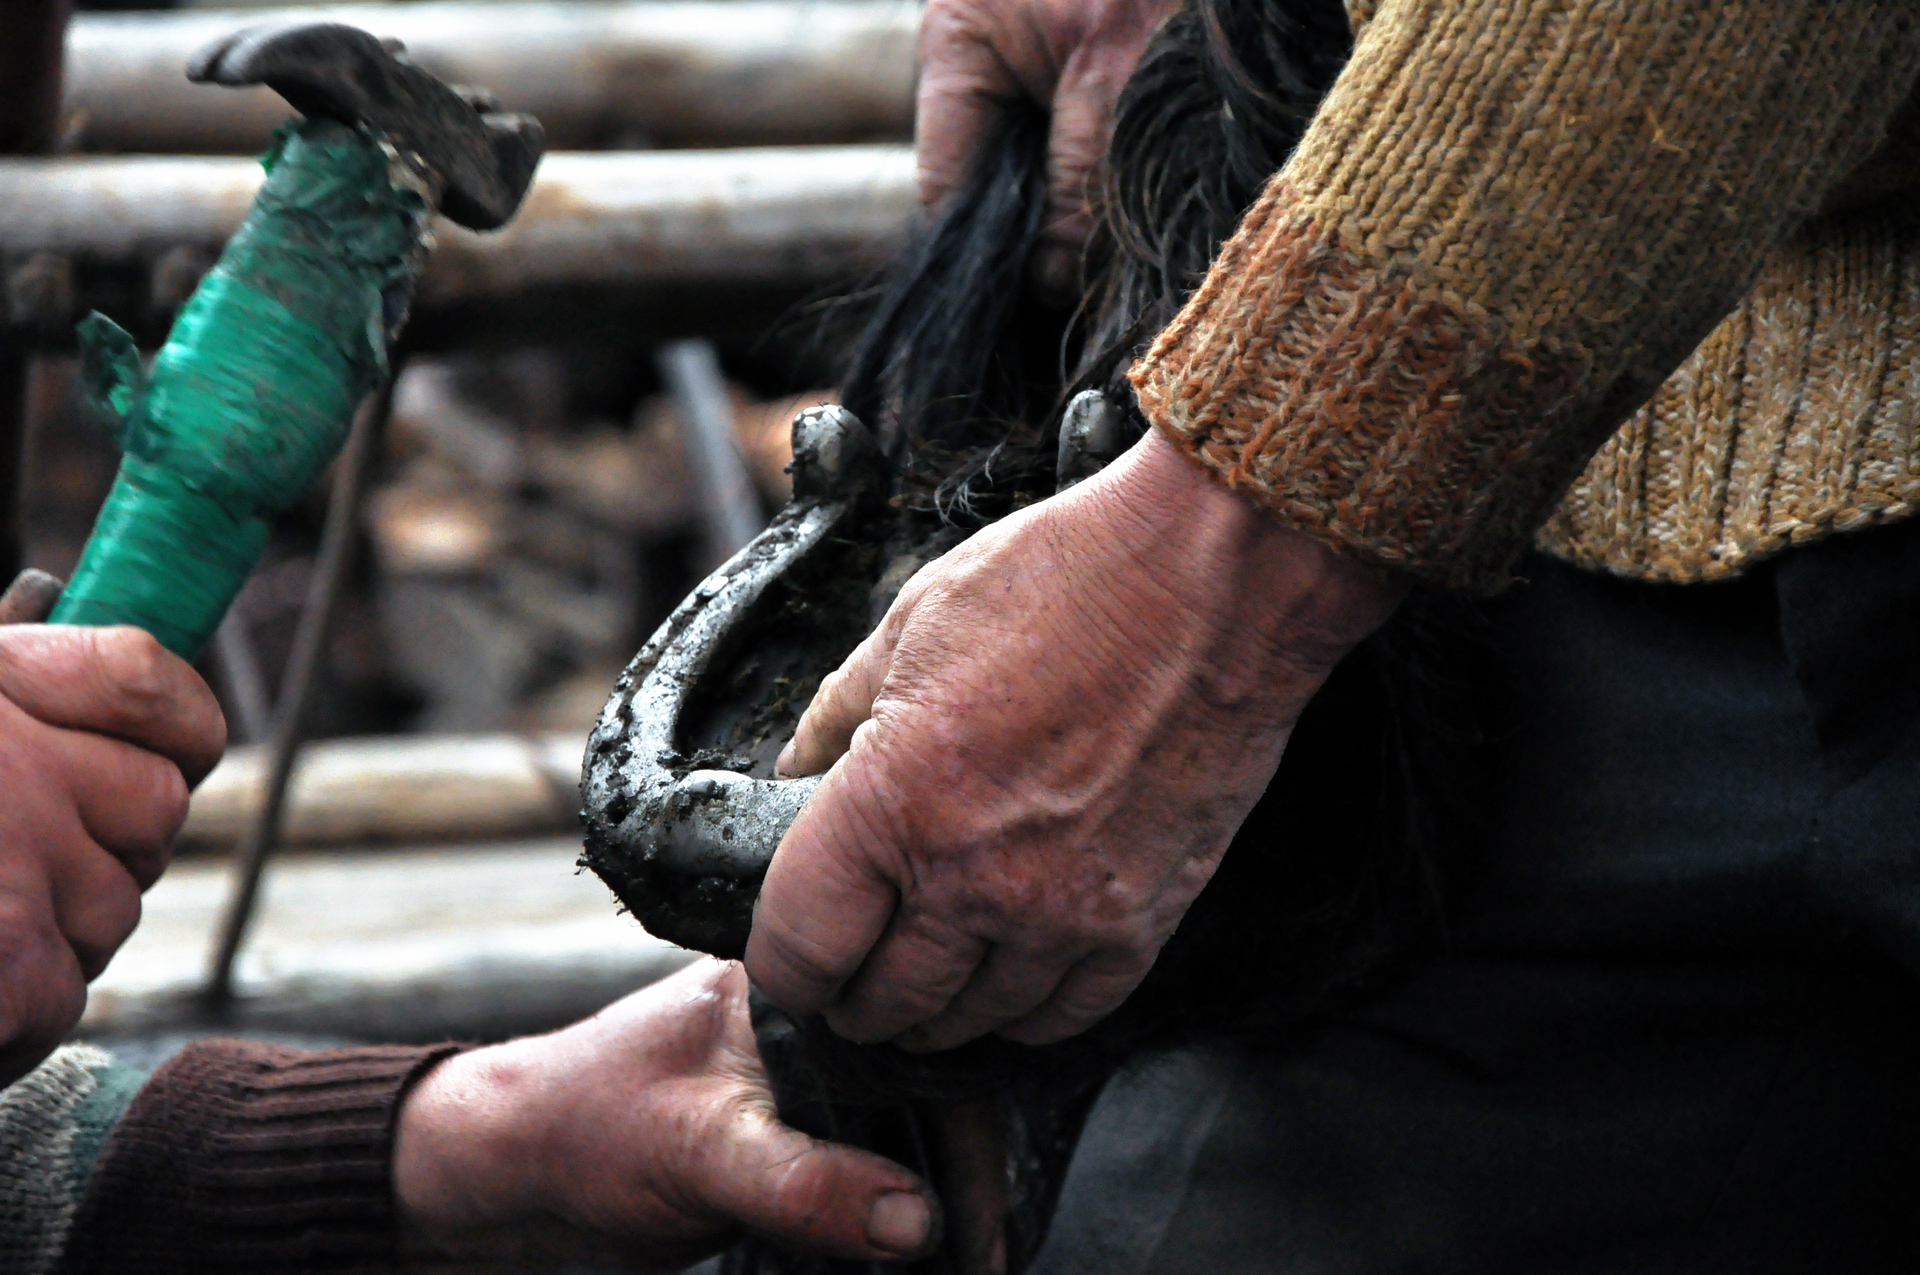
(112,377)
(254,392)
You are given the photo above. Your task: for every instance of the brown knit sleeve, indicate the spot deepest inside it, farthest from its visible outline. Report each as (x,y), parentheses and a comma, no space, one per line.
(239,1156)
(1510,221)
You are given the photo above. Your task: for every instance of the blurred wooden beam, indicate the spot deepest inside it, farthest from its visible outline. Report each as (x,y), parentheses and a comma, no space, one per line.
(598,74)
(131,235)
(398,788)
(476,942)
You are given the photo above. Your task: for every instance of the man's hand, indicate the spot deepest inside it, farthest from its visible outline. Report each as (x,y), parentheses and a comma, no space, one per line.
(102,733)
(1070,56)
(645,1136)
(1049,742)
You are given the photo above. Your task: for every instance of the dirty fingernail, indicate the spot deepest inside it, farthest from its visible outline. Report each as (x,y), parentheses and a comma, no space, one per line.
(783,764)
(899,1222)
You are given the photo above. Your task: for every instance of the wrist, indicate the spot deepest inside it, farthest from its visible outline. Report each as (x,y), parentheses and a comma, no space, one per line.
(1210,545)
(463,1169)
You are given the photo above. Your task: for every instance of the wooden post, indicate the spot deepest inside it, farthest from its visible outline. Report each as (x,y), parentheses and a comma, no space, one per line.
(33,36)
(14,363)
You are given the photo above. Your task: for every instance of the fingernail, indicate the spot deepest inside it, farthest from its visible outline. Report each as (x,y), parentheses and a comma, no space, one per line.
(783,764)
(899,1223)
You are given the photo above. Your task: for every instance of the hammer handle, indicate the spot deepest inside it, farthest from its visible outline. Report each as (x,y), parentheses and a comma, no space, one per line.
(255,390)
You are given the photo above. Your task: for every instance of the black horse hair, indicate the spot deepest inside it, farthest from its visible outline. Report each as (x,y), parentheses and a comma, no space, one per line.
(1331,884)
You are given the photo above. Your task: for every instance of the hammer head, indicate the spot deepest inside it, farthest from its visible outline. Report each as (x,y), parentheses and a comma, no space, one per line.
(482,160)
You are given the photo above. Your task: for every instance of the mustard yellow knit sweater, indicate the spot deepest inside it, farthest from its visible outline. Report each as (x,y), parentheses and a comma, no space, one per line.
(1631,280)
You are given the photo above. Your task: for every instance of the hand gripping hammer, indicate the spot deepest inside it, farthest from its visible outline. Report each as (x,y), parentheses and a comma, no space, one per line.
(256,387)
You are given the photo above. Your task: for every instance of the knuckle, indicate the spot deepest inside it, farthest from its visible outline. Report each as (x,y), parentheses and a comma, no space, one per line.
(132,668)
(1129,934)
(875,1015)
(1000,1003)
(917,1003)
(806,967)
(828,699)
(868,739)
(1088,999)
(1102,986)
(152,801)
(41,990)
(24,931)
(170,799)
(789,973)
(146,862)
(947,22)
(111,919)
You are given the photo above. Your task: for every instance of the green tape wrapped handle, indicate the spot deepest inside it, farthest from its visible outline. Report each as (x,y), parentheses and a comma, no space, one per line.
(256,388)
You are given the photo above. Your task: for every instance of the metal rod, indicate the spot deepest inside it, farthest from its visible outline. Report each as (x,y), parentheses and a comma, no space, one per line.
(337,539)
(728,500)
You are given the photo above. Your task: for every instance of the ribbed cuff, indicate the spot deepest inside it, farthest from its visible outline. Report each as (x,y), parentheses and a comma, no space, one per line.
(1386,422)
(242,1156)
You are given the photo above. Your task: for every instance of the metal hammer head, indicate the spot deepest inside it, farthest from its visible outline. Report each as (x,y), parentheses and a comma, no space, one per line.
(483,160)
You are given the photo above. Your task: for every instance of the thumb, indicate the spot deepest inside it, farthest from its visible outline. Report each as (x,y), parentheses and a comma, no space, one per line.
(820,1197)
(844,701)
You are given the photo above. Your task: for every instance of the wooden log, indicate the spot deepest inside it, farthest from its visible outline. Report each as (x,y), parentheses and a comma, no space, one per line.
(136,231)
(475,942)
(651,73)
(398,788)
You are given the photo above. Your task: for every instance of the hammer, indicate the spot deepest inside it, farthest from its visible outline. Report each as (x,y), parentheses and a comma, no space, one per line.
(257,385)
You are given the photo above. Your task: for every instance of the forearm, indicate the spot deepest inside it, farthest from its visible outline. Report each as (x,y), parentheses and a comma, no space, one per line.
(241,1156)
(1507,225)
(1210,546)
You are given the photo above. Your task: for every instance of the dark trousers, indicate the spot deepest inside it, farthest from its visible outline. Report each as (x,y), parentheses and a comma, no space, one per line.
(1677,1024)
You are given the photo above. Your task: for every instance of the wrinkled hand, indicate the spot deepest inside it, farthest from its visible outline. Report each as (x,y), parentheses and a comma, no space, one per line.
(1049,742)
(102,733)
(645,1137)
(1070,56)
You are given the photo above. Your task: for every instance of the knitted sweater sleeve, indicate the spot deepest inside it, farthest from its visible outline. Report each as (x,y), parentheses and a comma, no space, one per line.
(1509,222)
(239,1156)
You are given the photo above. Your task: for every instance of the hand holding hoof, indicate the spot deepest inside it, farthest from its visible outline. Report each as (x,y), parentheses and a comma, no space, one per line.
(1048,744)
(644,1137)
